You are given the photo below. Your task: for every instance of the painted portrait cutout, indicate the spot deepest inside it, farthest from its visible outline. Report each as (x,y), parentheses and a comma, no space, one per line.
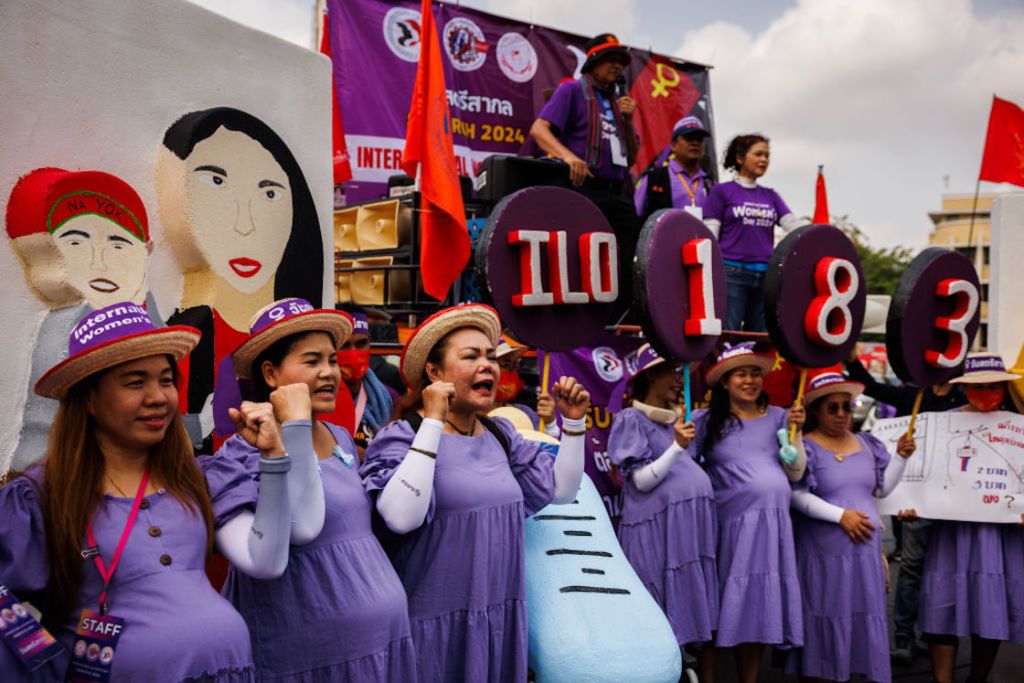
(244,230)
(82,238)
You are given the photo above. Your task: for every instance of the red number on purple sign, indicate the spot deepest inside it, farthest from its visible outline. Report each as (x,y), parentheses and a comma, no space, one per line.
(697,255)
(956,325)
(828,320)
(600,266)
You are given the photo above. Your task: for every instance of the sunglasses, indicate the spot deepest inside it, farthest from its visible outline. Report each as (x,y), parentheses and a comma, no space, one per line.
(836,408)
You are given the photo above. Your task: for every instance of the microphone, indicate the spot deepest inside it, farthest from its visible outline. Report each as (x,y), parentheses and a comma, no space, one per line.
(620,84)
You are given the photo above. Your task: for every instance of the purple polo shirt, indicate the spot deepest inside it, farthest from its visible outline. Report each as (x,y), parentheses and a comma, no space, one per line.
(566,111)
(680,197)
(748,217)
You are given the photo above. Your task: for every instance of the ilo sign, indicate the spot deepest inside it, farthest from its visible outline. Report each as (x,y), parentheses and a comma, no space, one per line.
(549,261)
(679,285)
(934,316)
(815,295)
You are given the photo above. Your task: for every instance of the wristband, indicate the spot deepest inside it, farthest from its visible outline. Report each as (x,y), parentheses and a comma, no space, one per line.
(424,451)
(275,465)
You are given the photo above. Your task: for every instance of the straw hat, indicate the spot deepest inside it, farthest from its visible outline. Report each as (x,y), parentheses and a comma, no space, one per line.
(645,359)
(110,336)
(506,349)
(433,329)
(984,368)
(520,420)
(830,382)
(284,318)
(737,356)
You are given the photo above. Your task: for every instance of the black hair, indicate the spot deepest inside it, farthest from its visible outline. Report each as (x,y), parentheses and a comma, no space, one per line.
(721,419)
(641,384)
(259,390)
(811,423)
(301,271)
(738,147)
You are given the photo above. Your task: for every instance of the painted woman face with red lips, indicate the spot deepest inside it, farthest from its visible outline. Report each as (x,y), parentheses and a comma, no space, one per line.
(239,207)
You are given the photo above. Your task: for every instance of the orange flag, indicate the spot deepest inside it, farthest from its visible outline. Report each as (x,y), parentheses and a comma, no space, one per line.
(1003,160)
(444,239)
(342,166)
(820,200)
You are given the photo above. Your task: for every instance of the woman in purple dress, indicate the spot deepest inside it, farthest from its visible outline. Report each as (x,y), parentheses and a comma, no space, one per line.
(668,516)
(737,441)
(339,610)
(973,581)
(456,488)
(118,520)
(839,555)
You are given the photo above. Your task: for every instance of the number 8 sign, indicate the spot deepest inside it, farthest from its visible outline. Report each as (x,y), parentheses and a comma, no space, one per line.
(815,296)
(933,318)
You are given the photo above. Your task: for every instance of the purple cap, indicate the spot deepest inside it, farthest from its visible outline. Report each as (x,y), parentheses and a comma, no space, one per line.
(689,125)
(360,324)
(278,311)
(644,359)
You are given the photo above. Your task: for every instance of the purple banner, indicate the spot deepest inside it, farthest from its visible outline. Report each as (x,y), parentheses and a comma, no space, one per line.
(499,72)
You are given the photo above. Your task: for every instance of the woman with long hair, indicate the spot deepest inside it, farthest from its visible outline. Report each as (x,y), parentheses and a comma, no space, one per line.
(743,214)
(737,441)
(973,584)
(118,518)
(838,544)
(668,522)
(455,488)
(340,610)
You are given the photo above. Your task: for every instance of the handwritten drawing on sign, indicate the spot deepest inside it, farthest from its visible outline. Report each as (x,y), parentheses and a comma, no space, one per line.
(968,467)
(244,230)
(82,238)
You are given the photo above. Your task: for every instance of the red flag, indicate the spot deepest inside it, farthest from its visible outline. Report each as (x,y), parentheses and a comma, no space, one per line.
(820,200)
(342,167)
(1003,160)
(444,239)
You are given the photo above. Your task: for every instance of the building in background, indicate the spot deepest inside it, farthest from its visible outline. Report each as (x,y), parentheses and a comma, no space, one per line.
(953,231)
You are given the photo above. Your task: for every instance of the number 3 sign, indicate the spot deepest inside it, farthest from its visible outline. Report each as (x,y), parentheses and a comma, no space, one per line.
(933,317)
(815,296)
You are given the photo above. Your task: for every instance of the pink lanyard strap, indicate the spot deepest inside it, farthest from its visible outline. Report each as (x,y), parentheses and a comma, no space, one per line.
(94,549)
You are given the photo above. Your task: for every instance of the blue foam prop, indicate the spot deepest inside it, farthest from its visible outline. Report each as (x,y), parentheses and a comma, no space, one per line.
(787,451)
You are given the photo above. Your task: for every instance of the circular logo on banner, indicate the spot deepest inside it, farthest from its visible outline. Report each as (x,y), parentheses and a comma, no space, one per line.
(814,296)
(402,33)
(938,285)
(607,363)
(679,285)
(464,42)
(549,261)
(516,57)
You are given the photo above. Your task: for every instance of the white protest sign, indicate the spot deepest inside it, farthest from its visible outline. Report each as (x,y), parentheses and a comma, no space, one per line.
(968,466)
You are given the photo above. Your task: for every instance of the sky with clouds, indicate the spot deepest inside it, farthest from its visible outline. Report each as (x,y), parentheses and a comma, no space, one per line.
(892,96)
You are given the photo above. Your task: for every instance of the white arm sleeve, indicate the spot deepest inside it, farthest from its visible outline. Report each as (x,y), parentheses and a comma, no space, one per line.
(569,462)
(789,222)
(257,543)
(404,502)
(305,490)
(647,477)
(795,472)
(814,507)
(552,430)
(713,225)
(893,474)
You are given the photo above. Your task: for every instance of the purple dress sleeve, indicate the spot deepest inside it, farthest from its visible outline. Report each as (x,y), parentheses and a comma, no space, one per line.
(714,207)
(383,456)
(532,466)
(879,452)
(780,206)
(809,481)
(699,418)
(627,443)
(558,110)
(23,565)
(231,475)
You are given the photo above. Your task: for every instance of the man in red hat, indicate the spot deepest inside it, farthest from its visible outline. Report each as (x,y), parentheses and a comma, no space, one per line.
(588,125)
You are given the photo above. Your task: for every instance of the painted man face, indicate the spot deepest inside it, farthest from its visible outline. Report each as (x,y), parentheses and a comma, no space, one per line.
(239,208)
(103,261)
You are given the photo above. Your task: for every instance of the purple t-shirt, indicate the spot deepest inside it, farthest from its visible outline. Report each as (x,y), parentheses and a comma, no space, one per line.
(748,216)
(680,197)
(566,111)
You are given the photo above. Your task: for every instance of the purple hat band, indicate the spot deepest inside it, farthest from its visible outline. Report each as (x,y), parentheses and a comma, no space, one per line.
(826,379)
(108,325)
(984,364)
(360,324)
(644,357)
(281,310)
(736,350)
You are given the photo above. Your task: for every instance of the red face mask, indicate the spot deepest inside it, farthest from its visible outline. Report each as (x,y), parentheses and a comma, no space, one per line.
(985,398)
(509,385)
(354,363)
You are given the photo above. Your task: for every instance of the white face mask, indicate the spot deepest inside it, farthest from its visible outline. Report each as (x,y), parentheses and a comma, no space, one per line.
(665,416)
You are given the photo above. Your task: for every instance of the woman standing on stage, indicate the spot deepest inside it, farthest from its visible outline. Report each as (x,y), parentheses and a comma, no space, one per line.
(340,610)
(456,487)
(668,516)
(737,440)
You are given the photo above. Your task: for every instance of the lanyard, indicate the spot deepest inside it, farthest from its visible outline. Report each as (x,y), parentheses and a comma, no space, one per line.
(606,107)
(692,193)
(94,549)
